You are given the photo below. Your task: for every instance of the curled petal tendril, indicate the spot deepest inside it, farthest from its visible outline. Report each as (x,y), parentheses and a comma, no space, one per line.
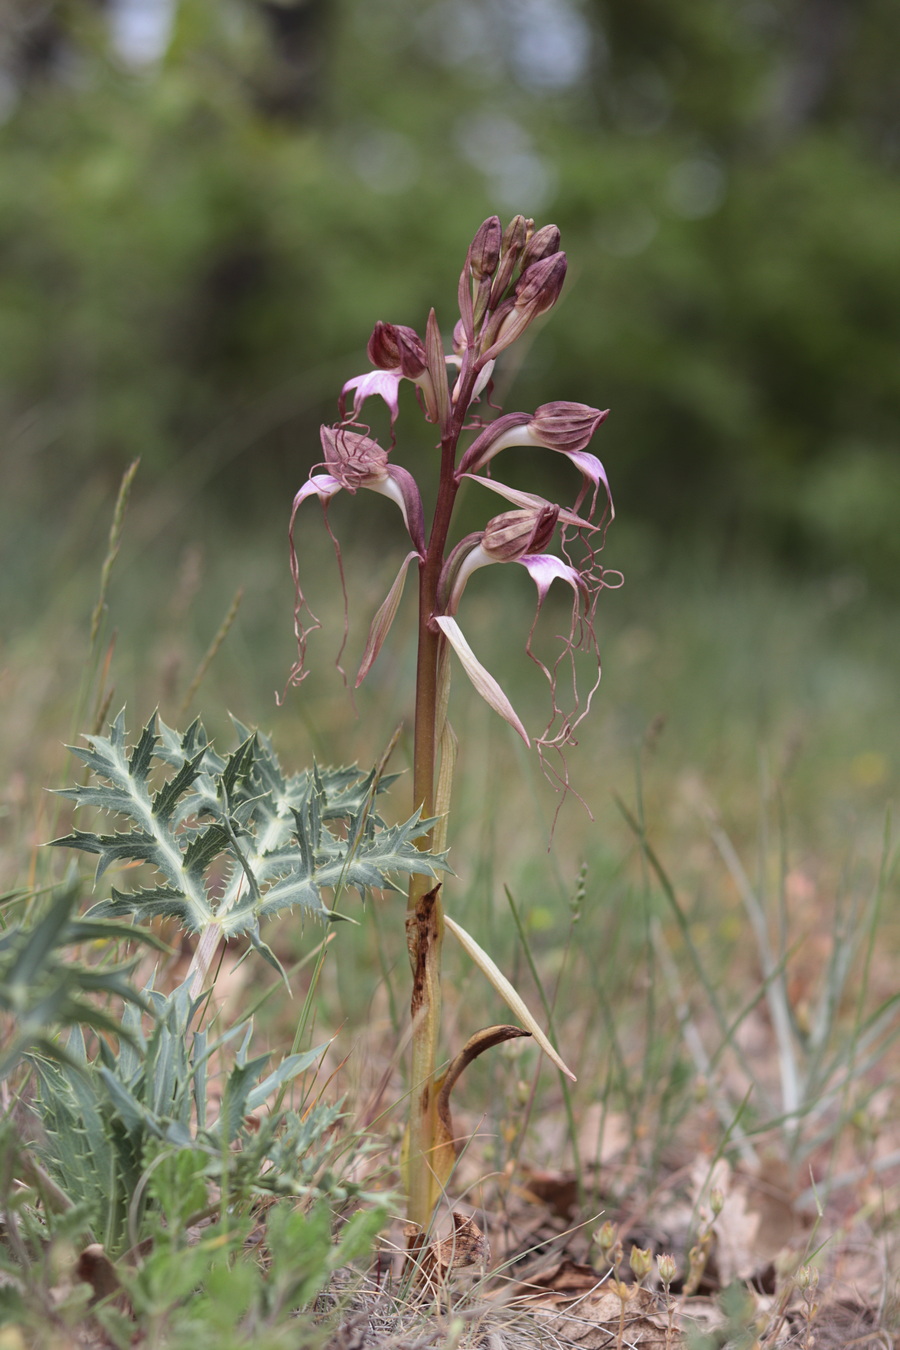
(324,486)
(587,578)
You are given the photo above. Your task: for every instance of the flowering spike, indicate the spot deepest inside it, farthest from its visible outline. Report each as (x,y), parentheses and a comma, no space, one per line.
(484,682)
(509,278)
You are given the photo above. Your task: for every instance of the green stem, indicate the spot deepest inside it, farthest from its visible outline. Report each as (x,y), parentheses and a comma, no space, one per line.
(424,920)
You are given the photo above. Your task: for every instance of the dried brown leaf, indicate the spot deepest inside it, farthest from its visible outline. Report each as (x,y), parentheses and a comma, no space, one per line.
(595,1320)
(95,1268)
(466,1246)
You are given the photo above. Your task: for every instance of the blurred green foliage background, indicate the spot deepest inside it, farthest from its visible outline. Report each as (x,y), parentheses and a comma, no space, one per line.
(205,206)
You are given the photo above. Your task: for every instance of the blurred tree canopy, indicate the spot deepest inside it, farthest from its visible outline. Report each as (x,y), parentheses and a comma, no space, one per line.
(205,206)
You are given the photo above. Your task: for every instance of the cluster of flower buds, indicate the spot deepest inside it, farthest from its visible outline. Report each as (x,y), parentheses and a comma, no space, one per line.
(510,277)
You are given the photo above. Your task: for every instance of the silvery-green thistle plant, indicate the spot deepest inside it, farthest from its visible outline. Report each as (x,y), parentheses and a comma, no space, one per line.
(510,278)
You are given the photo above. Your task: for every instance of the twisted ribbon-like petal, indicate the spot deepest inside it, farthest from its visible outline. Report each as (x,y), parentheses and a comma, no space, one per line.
(482,679)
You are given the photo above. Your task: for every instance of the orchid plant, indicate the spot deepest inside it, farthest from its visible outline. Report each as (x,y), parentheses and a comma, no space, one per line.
(510,278)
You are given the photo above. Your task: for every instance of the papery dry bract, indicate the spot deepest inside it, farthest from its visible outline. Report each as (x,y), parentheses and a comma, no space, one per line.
(482,679)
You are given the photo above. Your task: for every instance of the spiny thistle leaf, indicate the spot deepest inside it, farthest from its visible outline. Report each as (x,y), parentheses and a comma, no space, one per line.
(102,1118)
(159,903)
(42,988)
(234,838)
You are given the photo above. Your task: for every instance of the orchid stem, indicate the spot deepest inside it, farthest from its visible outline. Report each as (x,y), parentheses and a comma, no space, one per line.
(425,915)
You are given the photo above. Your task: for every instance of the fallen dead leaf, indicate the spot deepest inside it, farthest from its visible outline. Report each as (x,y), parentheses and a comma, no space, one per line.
(599,1319)
(466,1246)
(563,1277)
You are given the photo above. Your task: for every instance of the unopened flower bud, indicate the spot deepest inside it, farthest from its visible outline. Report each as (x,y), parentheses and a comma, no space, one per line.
(667,1268)
(396,347)
(536,291)
(498,317)
(640,1261)
(605,1238)
(517,534)
(513,242)
(563,426)
(540,284)
(353,459)
(716,1201)
(807,1277)
(484,252)
(541,244)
